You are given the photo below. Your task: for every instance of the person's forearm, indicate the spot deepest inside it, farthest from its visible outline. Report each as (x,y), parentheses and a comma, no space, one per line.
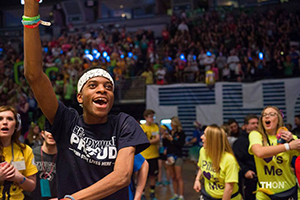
(227,192)
(27,184)
(116,180)
(103,188)
(267,151)
(154,141)
(142,179)
(198,175)
(32,42)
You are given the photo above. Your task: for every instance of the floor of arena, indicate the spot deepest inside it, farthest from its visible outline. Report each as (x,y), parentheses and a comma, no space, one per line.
(188,175)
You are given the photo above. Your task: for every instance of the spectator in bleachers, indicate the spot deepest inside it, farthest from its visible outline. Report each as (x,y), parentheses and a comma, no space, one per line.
(183,27)
(160,75)
(148,75)
(233,61)
(33,137)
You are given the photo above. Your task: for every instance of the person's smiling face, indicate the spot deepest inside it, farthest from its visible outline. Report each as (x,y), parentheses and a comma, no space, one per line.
(270,120)
(97,98)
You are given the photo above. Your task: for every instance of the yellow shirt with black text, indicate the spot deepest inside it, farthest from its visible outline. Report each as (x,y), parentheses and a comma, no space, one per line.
(274,173)
(214,183)
(23,160)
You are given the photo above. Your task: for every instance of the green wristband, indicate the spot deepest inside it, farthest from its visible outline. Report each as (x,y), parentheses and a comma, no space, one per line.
(25,18)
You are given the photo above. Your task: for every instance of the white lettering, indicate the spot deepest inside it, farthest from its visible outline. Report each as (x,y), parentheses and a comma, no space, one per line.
(112,152)
(281,184)
(81,144)
(272,185)
(268,185)
(74,139)
(102,154)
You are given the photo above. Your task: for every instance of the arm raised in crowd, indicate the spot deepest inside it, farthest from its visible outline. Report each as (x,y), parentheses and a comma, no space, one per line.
(33,70)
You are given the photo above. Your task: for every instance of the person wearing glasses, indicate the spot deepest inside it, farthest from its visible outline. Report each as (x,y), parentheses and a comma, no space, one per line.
(273,156)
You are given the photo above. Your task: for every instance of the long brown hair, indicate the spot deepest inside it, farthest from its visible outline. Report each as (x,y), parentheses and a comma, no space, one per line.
(261,128)
(16,134)
(216,145)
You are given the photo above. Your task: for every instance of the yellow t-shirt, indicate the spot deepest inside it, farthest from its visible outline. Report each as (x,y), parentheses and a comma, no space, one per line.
(273,173)
(151,131)
(21,157)
(214,183)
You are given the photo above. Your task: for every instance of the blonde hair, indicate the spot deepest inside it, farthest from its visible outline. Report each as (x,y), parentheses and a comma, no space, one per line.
(176,123)
(226,128)
(261,128)
(216,145)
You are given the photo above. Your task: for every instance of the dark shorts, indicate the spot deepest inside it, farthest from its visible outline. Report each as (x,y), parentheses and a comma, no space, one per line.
(162,156)
(153,167)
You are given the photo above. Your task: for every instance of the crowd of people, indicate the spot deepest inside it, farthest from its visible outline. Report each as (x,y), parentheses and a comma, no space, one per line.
(228,46)
(93,156)
(255,162)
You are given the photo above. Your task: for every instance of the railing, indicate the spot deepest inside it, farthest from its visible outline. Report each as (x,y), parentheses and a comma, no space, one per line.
(130,90)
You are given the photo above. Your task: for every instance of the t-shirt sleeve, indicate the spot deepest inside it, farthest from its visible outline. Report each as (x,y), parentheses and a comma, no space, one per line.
(201,152)
(62,120)
(29,162)
(231,170)
(138,162)
(131,134)
(254,138)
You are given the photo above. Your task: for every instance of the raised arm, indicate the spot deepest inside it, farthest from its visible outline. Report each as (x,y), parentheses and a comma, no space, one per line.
(33,70)
(116,180)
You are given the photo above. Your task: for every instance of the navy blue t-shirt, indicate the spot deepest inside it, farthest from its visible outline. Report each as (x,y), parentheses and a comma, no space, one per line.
(87,153)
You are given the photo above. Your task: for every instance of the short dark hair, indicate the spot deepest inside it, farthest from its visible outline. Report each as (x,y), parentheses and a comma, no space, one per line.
(248,117)
(230,121)
(298,116)
(148,112)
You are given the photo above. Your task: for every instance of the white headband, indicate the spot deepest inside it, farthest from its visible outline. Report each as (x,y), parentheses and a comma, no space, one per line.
(91,74)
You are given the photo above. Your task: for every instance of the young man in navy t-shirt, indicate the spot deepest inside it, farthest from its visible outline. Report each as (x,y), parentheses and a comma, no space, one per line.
(95,151)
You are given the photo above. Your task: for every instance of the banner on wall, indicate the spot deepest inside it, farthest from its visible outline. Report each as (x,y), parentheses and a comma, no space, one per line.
(226,100)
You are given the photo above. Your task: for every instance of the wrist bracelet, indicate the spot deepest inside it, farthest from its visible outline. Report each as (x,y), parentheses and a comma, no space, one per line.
(287,146)
(24,179)
(292,139)
(69,196)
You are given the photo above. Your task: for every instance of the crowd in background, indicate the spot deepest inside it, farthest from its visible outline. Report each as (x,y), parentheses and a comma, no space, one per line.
(230,46)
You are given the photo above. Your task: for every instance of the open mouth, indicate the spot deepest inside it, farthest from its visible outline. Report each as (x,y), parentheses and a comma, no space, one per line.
(100,101)
(267,123)
(4,129)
